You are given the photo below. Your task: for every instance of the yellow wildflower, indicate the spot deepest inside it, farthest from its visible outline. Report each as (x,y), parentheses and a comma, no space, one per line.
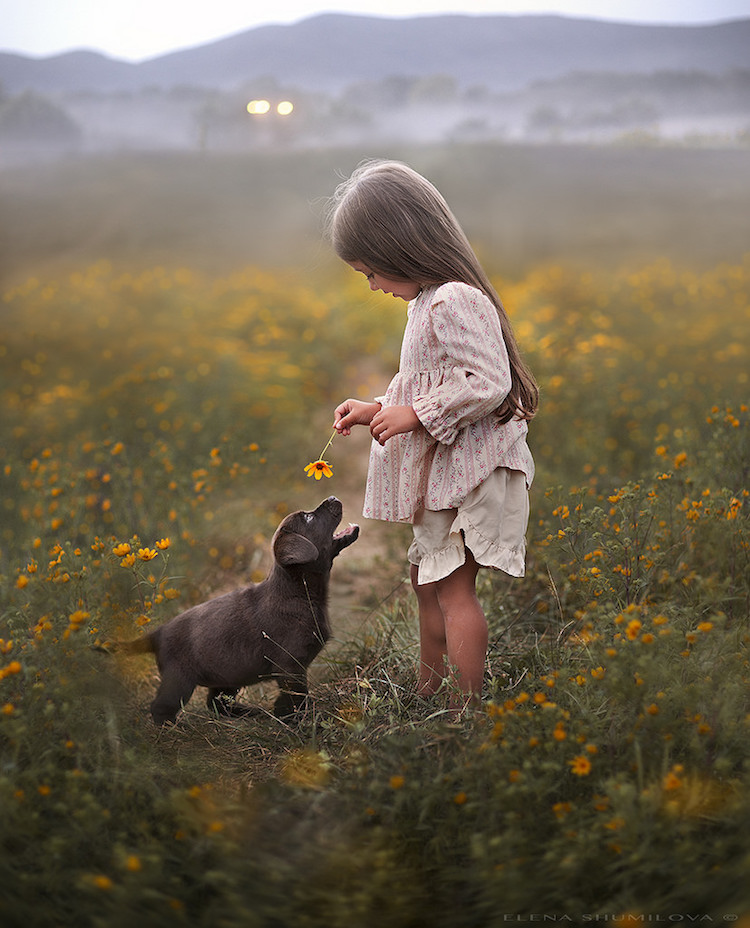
(734,508)
(12,668)
(671,782)
(321,468)
(633,629)
(147,554)
(307,768)
(580,765)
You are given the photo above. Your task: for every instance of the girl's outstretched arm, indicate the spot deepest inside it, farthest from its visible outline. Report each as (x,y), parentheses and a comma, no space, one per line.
(353,412)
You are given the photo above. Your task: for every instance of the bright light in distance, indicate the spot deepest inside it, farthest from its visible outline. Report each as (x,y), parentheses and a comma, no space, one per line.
(284,108)
(258,107)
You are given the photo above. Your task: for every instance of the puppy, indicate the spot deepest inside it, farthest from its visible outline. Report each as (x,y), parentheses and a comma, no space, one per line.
(267,631)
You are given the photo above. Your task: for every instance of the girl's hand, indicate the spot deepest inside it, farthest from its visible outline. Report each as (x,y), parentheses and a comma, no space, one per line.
(353,412)
(393,420)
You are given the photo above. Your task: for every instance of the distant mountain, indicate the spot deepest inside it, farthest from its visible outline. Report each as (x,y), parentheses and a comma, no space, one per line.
(330,51)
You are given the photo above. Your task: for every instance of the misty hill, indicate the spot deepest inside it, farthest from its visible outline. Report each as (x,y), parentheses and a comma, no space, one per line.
(330,51)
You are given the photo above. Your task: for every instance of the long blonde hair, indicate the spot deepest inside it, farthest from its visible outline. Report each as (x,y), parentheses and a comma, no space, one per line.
(397,223)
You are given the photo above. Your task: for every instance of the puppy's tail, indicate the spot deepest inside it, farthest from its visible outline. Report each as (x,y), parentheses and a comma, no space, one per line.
(144,645)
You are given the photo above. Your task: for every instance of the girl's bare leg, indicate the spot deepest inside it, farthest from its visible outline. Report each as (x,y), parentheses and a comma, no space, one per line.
(452,630)
(465,627)
(432,642)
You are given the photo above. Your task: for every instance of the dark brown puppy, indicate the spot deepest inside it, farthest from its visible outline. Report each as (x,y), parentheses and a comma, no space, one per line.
(266,631)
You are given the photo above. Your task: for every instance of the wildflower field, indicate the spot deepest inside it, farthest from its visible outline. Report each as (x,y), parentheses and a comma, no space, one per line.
(156,422)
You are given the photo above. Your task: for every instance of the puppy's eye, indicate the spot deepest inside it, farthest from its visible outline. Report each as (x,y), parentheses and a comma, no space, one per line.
(308,517)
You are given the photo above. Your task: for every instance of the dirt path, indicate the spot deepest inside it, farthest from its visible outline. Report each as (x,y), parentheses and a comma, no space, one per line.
(368,572)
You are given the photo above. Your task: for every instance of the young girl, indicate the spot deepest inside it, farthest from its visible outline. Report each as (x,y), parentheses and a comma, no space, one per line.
(449,453)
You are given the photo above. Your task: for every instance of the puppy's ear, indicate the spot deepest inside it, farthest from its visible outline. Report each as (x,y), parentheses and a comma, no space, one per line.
(291,548)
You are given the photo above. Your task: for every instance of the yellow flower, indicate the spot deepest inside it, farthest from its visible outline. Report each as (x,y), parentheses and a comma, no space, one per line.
(397,782)
(121,550)
(580,765)
(319,469)
(307,768)
(12,668)
(671,782)
(561,809)
(147,554)
(163,544)
(633,629)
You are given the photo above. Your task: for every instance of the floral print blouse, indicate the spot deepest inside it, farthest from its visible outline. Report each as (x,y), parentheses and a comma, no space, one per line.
(454,372)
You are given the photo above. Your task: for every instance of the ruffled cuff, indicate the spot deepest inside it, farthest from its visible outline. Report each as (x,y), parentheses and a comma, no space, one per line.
(432,417)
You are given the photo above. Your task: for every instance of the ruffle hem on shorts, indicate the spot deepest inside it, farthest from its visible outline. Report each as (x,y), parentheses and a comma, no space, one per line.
(486,553)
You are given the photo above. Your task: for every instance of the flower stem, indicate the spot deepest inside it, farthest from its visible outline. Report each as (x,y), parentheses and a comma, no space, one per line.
(320,456)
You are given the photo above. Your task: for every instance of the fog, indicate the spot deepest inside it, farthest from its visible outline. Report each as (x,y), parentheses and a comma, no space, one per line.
(594,108)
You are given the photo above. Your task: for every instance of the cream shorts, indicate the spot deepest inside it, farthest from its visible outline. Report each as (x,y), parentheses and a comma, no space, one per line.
(491,522)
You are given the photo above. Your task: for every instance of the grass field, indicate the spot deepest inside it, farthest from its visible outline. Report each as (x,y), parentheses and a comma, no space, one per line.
(173,337)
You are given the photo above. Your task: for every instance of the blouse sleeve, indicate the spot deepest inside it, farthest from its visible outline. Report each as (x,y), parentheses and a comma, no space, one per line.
(472,352)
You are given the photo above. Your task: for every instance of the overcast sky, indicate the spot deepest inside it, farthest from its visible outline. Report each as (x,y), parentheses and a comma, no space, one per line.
(137,29)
